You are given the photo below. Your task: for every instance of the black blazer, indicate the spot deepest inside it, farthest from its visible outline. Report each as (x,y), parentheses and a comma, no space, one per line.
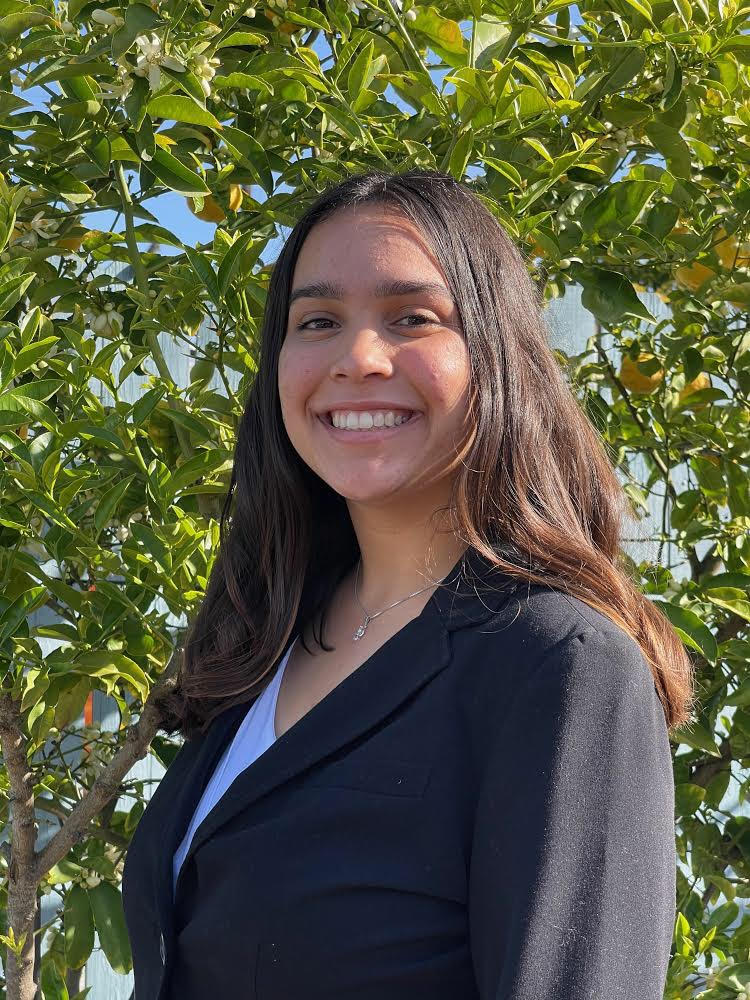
(483,809)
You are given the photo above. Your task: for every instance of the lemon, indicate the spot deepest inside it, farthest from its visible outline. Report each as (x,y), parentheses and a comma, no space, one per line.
(694,276)
(211,212)
(701,381)
(235,197)
(730,253)
(634,379)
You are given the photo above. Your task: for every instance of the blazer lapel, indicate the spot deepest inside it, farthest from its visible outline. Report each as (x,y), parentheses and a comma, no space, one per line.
(397,670)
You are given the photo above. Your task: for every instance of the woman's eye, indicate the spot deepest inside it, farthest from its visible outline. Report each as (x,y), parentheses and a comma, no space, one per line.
(323,319)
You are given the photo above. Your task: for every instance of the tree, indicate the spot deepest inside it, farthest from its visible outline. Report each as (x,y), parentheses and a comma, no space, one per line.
(611,140)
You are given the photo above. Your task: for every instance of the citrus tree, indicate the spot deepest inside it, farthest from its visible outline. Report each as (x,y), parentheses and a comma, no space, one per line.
(610,139)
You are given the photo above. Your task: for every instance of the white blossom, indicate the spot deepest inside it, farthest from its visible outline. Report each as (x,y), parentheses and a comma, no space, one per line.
(152,57)
(44,227)
(205,70)
(106,18)
(105,321)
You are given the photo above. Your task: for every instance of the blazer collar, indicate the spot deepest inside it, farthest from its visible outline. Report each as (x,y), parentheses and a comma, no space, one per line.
(471,593)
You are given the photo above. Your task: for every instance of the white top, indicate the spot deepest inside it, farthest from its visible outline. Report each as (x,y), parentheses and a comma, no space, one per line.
(255,735)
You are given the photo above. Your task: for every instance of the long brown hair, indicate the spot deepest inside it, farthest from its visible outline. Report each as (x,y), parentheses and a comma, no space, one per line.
(537,478)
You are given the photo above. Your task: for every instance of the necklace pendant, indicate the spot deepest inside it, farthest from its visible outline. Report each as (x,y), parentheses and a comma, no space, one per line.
(360,631)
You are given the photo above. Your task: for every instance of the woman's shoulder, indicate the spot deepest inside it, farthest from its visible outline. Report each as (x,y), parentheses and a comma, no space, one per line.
(543,634)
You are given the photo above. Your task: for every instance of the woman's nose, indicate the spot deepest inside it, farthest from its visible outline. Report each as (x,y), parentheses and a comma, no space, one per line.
(362,351)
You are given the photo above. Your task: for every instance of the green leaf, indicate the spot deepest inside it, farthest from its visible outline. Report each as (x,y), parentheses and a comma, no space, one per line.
(70,701)
(30,354)
(143,406)
(687,798)
(461,154)
(539,146)
(693,631)
(360,76)
(202,267)
(623,66)
(78,927)
(110,665)
(200,465)
(136,101)
(506,169)
(735,976)
(52,983)
(697,736)
(490,38)
(310,19)
(672,147)
(232,258)
(18,610)
(109,919)
(51,289)
(609,295)
(616,208)
(175,175)
(12,290)
(625,111)
(181,109)
(731,599)
(69,186)
(243,81)
(107,506)
(662,218)
(12,26)
(241,38)
(249,152)
(642,7)
(445,34)
(741,696)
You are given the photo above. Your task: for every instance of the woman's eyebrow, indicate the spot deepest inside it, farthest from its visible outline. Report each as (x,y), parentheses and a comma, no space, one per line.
(384,289)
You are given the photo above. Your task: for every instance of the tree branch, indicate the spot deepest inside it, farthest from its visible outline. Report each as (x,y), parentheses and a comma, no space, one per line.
(138,738)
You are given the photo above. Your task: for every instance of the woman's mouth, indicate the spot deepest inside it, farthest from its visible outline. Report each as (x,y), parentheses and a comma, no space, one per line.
(372,434)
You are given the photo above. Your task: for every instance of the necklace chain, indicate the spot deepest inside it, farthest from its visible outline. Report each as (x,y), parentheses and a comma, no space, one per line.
(368,617)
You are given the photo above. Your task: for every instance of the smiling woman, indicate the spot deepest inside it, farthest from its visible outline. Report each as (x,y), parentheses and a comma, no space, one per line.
(464,789)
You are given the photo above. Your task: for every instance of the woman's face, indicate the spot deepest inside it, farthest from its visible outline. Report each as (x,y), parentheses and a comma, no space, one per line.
(349,345)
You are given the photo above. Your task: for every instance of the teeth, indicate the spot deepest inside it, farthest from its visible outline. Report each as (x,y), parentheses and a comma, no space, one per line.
(355,420)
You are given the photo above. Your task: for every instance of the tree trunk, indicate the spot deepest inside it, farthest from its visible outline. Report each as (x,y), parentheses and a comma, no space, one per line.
(20,983)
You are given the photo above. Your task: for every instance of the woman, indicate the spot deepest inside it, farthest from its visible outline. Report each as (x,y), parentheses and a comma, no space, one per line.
(463,789)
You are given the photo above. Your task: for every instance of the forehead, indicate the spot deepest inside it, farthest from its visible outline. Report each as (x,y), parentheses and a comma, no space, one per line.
(367,249)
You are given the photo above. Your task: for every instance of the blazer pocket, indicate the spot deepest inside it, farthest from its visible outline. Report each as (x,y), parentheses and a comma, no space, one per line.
(379,776)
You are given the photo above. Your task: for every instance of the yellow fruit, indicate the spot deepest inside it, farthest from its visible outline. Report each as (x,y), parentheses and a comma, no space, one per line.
(286,26)
(73,240)
(211,212)
(694,276)
(235,197)
(730,253)
(634,379)
(701,381)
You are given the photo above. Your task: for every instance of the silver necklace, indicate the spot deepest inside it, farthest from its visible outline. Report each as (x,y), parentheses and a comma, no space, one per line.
(368,617)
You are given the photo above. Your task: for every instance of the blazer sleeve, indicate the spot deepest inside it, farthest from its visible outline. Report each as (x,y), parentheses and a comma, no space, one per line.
(573,865)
